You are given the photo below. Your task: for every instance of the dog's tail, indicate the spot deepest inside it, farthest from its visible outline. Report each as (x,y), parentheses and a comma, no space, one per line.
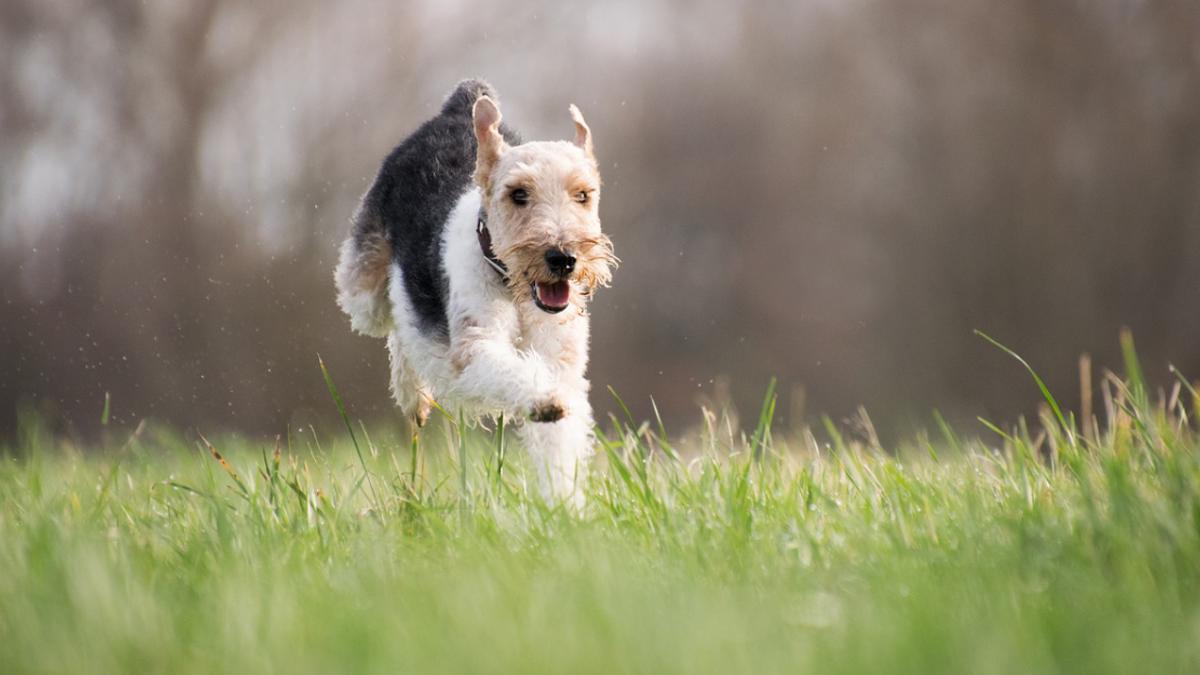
(462,100)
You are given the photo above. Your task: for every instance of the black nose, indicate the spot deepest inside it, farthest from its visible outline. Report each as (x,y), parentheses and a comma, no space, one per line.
(559,262)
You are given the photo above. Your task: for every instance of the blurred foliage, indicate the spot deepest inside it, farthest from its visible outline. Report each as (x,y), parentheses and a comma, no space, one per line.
(832,193)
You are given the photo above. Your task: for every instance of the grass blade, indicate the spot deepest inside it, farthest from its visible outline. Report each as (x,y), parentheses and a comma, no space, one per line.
(1050,400)
(337,399)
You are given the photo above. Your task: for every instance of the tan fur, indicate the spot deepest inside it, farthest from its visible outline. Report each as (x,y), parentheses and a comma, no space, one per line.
(583,133)
(490,144)
(424,408)
(362,282)
(553,173)
(370,274)
(460,354)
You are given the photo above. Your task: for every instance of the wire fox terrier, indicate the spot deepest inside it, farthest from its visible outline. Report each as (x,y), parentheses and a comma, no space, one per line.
(475,254)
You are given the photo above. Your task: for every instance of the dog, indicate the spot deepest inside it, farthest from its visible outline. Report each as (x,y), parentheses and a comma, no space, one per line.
(475,255)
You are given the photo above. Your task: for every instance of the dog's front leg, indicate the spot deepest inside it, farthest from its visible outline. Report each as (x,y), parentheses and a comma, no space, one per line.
(560,451)
(493,373)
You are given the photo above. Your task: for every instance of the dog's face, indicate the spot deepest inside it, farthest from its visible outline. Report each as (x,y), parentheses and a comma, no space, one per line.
(542,200)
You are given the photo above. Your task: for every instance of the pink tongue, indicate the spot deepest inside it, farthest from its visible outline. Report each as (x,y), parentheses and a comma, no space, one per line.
(555,294)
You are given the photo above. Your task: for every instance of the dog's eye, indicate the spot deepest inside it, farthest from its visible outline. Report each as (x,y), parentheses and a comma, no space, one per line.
(520,196)
(582,196)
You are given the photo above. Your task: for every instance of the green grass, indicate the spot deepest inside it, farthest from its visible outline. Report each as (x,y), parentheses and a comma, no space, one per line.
(1047,549)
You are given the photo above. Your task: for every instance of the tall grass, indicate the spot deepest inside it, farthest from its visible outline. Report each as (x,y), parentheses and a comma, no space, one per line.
(1060,546)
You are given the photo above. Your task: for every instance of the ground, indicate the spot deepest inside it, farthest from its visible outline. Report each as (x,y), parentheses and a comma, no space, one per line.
(1040,551)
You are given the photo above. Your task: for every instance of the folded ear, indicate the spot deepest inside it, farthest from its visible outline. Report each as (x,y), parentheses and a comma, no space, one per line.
(489,143)
(583,134)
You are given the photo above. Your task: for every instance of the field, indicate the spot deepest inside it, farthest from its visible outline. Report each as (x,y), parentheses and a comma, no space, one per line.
(1047,547)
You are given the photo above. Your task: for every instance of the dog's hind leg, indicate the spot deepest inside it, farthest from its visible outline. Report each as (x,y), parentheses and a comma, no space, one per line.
(362,276)
(409,392)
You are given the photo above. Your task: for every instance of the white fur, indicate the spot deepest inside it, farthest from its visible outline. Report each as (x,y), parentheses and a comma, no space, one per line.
(503,353)
(369,313)
(512,355)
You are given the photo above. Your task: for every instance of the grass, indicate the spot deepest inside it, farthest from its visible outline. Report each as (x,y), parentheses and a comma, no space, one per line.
(1038,549)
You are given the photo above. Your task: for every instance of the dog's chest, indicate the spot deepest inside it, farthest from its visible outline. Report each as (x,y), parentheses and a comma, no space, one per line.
(555,338)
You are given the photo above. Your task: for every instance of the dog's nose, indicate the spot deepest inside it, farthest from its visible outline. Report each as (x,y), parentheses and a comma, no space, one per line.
(560,262)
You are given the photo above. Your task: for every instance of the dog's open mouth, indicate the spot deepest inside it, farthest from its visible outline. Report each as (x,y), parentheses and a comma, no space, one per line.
(552,298)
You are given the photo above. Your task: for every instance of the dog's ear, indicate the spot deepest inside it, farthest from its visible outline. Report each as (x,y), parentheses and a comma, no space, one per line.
(583,134)
(489,143)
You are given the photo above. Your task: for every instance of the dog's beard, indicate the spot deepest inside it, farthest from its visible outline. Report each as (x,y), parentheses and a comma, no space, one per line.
(594,260)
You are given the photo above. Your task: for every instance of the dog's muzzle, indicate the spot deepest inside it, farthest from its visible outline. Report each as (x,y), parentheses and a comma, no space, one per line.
(555,296)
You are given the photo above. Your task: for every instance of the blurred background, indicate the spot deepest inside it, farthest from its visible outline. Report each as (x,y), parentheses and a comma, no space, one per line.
(831,192)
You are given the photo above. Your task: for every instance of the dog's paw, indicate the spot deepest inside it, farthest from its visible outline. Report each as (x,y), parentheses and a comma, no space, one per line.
(547,411)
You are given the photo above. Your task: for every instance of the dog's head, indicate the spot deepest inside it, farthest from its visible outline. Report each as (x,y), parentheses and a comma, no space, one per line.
(542,201)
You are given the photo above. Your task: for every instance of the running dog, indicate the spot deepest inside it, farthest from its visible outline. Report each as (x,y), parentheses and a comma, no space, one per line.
(475,255)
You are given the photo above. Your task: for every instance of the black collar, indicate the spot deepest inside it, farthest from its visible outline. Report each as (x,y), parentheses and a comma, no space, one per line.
(485,245)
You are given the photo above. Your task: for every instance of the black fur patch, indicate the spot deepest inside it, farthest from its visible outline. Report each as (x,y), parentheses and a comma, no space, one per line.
(415,191)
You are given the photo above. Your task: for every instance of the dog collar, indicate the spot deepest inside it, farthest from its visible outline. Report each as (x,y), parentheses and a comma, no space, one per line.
(485,245)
